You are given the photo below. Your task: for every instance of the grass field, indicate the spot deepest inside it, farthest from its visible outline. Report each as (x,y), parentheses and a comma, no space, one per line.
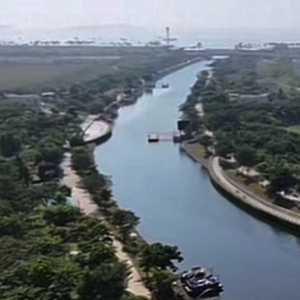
(21,76)
(280,73)
(197,150)
(41,67)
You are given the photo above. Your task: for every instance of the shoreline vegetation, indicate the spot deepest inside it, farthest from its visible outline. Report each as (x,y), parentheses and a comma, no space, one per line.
(254,189)
(97,131)
(84,200)
(52,250)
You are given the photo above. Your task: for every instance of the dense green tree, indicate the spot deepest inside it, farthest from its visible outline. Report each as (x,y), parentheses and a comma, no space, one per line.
(281,178)
(9,144)
(60,214)
(99,254)
(51,153)
(160,256)
(11,225)
(81,159)
(161,282)
(125,220)
(107,282)
(246,155)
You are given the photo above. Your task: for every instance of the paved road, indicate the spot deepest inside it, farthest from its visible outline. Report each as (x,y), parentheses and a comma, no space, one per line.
(248,197)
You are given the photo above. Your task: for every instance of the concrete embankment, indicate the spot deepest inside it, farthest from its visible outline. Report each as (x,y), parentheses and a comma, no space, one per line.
(249,198)
(179,66)
(242,194)
(191,151)
(95,130)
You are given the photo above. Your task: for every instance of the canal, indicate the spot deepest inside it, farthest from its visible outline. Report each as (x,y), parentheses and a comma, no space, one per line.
(178,205)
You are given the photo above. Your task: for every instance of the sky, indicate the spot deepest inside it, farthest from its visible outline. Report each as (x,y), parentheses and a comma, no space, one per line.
(184,15)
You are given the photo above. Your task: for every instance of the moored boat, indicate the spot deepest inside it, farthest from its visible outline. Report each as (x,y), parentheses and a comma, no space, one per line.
(201,283)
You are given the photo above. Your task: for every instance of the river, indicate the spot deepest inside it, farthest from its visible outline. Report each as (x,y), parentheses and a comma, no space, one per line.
(178,205)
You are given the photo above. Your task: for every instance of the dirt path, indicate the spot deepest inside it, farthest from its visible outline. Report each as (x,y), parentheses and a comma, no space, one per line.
(88,207)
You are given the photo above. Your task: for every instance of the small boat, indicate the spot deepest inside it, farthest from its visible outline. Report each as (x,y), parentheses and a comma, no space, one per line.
(201,283)
(153,138)
(165,86)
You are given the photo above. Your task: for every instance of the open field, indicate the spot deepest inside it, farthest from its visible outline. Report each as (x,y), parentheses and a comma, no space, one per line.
(279,72)
(42,67)
(20,75)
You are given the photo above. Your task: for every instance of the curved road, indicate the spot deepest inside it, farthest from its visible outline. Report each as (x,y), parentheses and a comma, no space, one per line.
(249,198)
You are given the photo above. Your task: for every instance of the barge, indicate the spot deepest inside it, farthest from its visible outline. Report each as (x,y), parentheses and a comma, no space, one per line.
(200,283)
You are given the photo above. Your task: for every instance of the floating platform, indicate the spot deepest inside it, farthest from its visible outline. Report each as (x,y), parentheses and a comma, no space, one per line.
(174,137)
(153,138)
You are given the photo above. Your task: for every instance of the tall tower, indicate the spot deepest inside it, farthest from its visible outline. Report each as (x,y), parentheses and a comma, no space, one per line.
(168,35)
(168,39)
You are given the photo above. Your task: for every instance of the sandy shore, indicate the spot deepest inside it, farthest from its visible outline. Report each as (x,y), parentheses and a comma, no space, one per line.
(84,201)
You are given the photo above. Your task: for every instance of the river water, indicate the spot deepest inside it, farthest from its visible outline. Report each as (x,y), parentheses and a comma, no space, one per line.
(178,205)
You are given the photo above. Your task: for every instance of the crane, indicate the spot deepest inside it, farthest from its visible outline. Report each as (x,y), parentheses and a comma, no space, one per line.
(168,39)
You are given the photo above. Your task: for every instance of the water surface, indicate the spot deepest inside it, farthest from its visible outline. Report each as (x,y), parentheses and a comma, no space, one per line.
(177,203)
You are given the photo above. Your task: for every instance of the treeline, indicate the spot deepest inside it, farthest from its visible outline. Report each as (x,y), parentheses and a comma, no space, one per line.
(49,249)
(256,131)
(156,261)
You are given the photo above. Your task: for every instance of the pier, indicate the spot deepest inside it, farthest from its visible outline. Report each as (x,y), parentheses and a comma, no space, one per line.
(156,137)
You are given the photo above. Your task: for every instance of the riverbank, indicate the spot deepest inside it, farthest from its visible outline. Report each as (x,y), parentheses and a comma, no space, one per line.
(179,66)
(163,180)
(249,198)
(196,152)
(95,130)
(240,193)
(84,200)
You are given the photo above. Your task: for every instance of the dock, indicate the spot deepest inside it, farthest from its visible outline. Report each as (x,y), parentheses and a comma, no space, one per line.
(157,137)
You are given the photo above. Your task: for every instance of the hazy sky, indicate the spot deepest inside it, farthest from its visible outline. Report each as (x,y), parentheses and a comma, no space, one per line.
(184,14)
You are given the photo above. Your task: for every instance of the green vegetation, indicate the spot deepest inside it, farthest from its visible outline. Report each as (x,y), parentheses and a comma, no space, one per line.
(38,229)
(49,249)
(254,113)
(155,260)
